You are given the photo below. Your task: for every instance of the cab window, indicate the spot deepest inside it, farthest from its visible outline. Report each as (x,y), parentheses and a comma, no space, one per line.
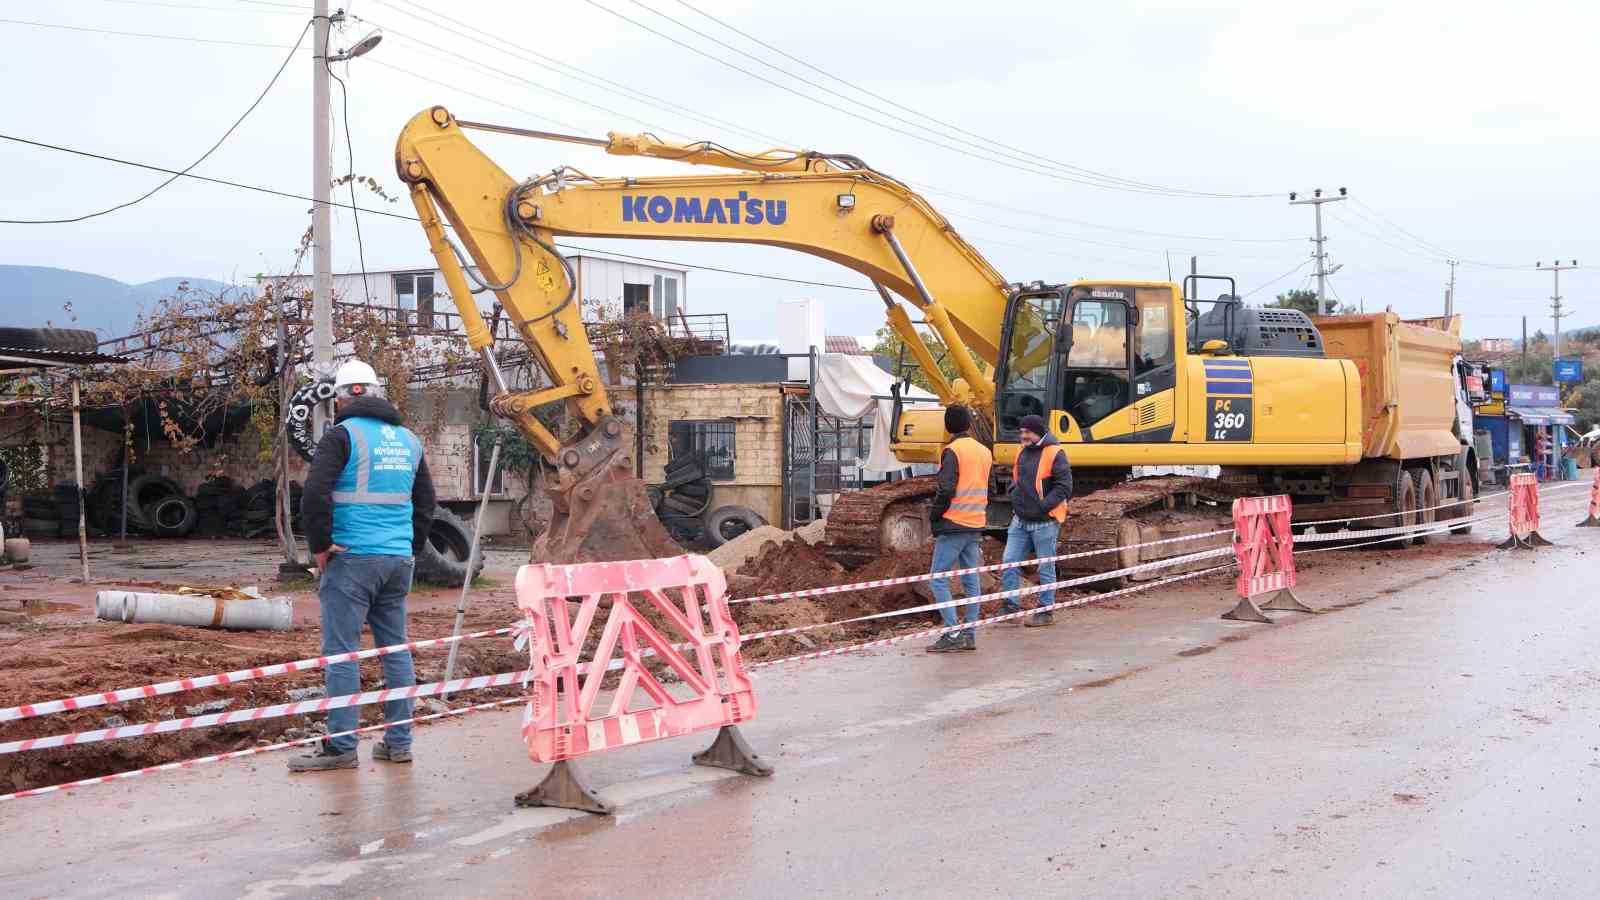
(1099,335)
(1152,338)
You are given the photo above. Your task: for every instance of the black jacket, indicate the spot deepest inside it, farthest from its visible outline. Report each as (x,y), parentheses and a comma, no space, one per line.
(333,451)
(949,476)
(1026,503)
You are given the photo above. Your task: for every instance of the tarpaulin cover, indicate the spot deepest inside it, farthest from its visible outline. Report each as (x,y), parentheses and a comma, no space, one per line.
(848,387)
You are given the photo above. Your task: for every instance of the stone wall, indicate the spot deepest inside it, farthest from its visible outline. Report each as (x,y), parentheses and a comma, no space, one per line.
(757,413)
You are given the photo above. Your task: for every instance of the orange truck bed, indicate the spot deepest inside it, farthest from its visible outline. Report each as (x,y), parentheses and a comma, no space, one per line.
(1408,393)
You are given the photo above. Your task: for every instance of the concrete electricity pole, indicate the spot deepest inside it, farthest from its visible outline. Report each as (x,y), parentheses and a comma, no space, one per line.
(1556,268)
(322,198)
(1450,292)
(1320,254)
(321,215)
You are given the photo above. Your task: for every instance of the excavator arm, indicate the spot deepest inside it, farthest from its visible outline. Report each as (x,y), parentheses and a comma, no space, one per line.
(829,206)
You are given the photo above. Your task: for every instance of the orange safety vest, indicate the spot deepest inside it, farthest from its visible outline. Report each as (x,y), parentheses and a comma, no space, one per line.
(1047,461)
(969,507)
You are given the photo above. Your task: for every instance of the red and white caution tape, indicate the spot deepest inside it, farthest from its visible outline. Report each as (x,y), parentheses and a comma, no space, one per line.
(29,710)
(991,567)
(251,751)
(256,714)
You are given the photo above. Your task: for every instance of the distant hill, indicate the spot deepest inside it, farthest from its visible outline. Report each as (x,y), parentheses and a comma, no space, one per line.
(33,297)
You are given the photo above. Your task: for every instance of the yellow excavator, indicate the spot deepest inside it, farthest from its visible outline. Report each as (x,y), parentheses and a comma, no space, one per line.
(1127,373)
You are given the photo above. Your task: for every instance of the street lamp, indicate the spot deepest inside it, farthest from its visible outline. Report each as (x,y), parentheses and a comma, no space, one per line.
(361,48)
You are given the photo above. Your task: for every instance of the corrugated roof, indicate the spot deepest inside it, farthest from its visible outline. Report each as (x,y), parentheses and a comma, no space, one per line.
(843,343)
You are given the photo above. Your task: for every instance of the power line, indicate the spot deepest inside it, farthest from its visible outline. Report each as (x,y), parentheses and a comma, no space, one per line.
(233,9)
(986,142)
(1274,281)
(140,34)
(1429,245)
(930,189)
(913,135)
(379,212)
(225,135)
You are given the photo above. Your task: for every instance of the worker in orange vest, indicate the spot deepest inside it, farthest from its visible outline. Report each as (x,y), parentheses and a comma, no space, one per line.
(959,511)
(1041,484)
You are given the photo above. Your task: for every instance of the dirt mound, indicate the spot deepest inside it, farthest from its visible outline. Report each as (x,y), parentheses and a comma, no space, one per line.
(734,554)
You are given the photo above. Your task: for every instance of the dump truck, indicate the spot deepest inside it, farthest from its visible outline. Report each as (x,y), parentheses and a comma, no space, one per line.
(1417,454)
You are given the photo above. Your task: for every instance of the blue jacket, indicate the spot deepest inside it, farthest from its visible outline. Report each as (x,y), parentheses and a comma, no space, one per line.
(368,489)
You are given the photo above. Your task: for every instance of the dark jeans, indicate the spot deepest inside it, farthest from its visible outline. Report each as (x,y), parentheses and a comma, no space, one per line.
(371,590)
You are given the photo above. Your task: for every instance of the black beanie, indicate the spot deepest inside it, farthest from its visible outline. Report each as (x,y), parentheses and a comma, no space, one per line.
(1034,424)
(957,420)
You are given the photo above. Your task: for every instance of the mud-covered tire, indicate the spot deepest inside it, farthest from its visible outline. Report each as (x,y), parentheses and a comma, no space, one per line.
(1427,502)
(59,340)
(1466,509)
(172,517)
(143,492)
(443,559)
(725,523)
(41,528)
(1405,501)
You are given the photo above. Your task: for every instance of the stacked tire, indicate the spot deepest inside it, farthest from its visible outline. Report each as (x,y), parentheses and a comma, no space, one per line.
(41,518)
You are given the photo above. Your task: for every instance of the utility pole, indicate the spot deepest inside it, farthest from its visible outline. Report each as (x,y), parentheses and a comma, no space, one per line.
(321,214)
(1320,253)
(1524,346)
(1556,268)
(1450,292)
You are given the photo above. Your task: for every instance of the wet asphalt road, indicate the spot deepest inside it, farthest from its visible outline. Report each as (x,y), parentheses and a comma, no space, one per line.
(1432,732)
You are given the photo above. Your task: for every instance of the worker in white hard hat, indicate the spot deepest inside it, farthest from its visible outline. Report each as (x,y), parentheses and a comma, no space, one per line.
(366,509)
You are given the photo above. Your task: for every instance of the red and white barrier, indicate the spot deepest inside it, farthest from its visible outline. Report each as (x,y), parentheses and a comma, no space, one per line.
(566,718)
(1524,506)
(1263,545)
(1593,521)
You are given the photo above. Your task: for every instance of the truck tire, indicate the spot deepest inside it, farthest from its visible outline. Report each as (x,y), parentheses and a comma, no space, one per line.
(40,528)
(59,340)
(1405,503)
(143,492)
(1427,502)
(728,522)
(443,559)
(172,517)
(1467,509)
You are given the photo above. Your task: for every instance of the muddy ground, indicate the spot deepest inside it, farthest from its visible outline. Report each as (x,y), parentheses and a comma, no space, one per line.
(51,646)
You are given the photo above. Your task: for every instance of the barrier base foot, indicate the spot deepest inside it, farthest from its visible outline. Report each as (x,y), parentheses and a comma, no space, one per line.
(1539,540)
(731,751)
(564,788)
(1286,601)
(1514,543)
(1590,522)
(1247,611)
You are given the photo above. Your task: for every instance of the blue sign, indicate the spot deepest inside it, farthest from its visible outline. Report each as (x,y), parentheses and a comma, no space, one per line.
(1569,371)
(1497,380)
(1534,395)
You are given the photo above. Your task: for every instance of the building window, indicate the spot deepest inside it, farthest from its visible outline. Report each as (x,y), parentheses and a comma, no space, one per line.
(666,297)
(712,442)
(480,470)
(413,298)
(635,298)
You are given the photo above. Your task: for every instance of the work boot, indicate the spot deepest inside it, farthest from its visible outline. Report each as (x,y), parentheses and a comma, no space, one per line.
(1040,619)
(1007,609)
(381,750)
(969,640)
(949,642)
(324,759)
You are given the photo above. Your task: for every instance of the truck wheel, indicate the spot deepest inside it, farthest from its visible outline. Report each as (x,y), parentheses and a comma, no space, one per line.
(1427,501)
(1465,510)
(728,522)
(173,516)
(1405,504)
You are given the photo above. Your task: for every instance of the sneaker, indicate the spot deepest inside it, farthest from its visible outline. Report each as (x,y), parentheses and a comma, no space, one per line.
(1040,619)
(1006,610)
(969,640)
(324,759)
(381,750)
(949,642)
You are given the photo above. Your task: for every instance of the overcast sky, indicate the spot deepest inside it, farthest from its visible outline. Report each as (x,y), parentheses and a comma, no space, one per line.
(1459,128)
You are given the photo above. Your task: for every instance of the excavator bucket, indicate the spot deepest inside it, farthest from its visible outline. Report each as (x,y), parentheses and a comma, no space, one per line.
(601,511)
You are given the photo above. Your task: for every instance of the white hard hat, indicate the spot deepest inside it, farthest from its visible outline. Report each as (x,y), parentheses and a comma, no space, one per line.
(354,372)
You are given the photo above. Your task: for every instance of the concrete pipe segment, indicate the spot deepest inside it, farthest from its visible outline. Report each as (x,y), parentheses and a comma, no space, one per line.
(251,614)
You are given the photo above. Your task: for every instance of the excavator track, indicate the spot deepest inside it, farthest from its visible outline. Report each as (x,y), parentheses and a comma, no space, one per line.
(889,518)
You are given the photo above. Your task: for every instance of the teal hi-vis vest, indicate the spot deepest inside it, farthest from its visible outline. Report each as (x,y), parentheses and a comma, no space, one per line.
(372,498)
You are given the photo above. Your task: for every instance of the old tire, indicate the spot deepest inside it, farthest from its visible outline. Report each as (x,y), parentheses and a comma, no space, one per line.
(60,340)
(1466,508)
(40,528)
(1427,502)
(172,517)
(443,559)
(143,493)
(725,523)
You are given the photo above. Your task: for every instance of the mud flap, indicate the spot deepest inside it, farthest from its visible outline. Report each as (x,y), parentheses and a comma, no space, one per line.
(731,751)
(566,789)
